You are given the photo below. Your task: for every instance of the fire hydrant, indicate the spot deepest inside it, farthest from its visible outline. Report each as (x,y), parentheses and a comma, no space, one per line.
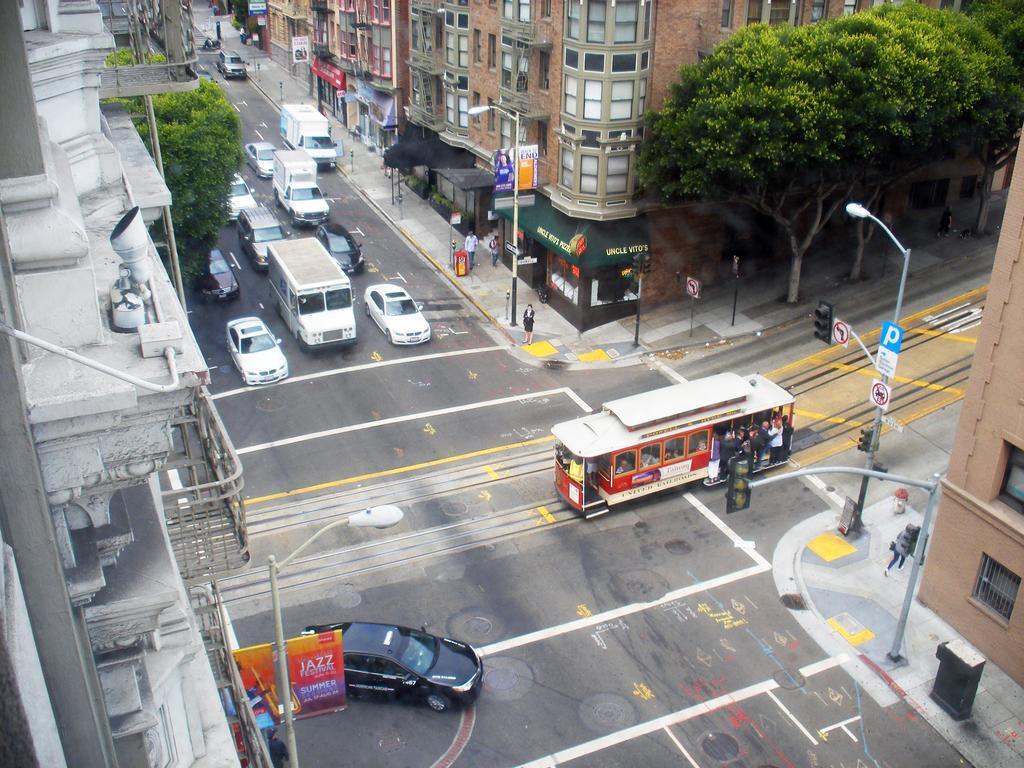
(899,501)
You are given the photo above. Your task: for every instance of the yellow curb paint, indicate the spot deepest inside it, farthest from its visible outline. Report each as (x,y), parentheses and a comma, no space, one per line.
(852,630)
(541,349)
(397,470)
(829,547)
(594,356)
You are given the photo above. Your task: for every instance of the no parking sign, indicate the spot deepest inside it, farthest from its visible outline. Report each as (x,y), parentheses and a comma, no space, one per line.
(880,394)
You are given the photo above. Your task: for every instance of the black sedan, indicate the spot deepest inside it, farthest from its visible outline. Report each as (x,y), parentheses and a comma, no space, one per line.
(393,660)
(342,247)
(217,281)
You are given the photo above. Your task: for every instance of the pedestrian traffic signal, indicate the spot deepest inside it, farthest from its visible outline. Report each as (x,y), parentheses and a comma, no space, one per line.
(823,318)
(737,489)
(867,437)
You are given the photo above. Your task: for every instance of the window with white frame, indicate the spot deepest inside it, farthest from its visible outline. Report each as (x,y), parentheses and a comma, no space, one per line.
(618,174)
(571,59)
(572,85)
(996,587)
(622,100)
(626,17)
(451,51)
(463,111)
(450,115)
(568,167)
(817,10)
(464,51)
(589,166)
(524,10)
(726,13)
(641,102)
(572,29)
(647,19)
(506,133)
(592,93)
(506,69)
(596,15)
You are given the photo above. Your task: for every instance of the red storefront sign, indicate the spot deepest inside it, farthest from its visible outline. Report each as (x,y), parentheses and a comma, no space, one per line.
(327,71)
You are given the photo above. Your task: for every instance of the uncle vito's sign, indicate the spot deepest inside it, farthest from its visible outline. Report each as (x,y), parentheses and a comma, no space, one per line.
(576,248)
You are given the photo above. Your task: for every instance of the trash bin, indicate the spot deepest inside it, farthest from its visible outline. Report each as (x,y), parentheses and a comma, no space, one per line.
(899,501)
(956,682)
(461,263)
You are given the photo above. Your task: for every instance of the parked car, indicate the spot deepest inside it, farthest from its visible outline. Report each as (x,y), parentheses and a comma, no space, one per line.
(386,658)
(230,64)
(395,313)
(257,227)
(255,351)
(239,198)
(260,157)
(342,246)
(217,281)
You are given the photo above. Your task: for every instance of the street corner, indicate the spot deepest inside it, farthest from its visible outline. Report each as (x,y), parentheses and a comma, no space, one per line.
(860,621)
(835,551)
(541,349)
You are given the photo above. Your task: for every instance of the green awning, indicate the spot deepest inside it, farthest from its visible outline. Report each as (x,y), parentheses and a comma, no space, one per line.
(582,242)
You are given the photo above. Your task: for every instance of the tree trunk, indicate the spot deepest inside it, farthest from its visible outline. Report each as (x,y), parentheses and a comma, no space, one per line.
(984,197)
(795,265)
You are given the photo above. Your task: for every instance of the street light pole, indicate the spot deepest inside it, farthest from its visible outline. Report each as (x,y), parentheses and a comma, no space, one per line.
(378,517)
(858,211)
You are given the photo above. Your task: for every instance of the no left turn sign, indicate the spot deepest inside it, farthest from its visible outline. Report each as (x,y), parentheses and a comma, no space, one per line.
(879,394)
(840,333)
(693,287)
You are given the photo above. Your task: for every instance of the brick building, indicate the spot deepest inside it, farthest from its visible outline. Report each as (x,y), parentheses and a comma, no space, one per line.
(976,558)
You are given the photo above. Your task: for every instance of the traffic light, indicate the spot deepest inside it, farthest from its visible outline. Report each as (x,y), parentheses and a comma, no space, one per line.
(867,436)
(737,489)
(823,317)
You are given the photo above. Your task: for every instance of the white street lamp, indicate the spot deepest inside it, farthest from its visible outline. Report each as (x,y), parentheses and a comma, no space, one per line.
(383,516)
(858,211)
(513,115)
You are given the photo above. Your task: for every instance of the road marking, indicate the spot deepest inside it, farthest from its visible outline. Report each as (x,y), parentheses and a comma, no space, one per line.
(490,471)
(830,419)
(669,371)
(675,718)
(358,231)
(234,261)
(822,732)
(236,108)
(544,512)
(791,716)
(263,125)
(401,419)
(398,470)
(680,747)
(361,367)
(734,537)
(617,613)
(258,134)
(259,304)
(818,483)
(944,335)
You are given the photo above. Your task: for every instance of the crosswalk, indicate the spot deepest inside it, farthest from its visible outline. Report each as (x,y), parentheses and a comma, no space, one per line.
(957,319)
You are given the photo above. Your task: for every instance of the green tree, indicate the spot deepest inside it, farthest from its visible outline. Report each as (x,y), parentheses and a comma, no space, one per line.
(790,121)
(995,130)
(200,142)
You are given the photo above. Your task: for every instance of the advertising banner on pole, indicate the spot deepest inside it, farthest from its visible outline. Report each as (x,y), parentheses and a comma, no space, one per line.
(256,667)
(300,49)
(506,173)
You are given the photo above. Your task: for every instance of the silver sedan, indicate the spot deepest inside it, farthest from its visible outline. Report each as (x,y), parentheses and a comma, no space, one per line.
(260,157)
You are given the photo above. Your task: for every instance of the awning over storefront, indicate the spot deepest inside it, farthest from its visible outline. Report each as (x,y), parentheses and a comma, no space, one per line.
(431,151)
(329,72)
(468,179)
(581,241)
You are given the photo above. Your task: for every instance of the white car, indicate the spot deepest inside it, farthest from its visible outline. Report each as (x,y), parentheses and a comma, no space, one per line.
(260,157)
(255,351)
(396,314)
(240,197)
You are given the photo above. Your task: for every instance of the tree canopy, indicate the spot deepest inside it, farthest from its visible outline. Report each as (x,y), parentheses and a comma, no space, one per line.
(790,120)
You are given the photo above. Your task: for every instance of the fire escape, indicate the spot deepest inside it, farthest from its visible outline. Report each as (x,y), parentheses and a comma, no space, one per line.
(364,41)
(528,37)
(426,65)
(322,11)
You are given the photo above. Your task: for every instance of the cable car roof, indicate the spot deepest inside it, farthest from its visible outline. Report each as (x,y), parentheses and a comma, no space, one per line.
(669,410)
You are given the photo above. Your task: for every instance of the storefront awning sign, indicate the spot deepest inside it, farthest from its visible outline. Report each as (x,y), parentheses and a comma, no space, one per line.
(329,72)
(381,105)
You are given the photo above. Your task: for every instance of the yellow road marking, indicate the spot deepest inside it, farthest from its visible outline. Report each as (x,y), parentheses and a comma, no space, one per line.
(830,419)
(546,514)
(950,336)
(494,475)
(485,495)
(873,374)
(830,547)
(852,630)
(583,611)
(398,470)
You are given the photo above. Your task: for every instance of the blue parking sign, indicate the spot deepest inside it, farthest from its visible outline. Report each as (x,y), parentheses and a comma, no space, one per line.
(891,338)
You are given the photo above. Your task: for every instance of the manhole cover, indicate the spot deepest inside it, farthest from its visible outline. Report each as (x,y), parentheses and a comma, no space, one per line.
(644,585)
(453,508)
(475,626)
(720,746)
(390,743)
(346,596)
(507,679)
(268,405)
(641,526)
(605,712)
(790,679)
(678,547)
(794,601)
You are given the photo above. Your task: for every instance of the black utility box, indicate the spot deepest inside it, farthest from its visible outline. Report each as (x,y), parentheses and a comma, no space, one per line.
(956,682)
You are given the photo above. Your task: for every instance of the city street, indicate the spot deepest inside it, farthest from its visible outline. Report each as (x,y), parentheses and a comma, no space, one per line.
(652,636)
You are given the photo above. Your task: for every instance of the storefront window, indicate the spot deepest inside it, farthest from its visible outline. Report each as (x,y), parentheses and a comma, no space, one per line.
(564,278)
(611,285)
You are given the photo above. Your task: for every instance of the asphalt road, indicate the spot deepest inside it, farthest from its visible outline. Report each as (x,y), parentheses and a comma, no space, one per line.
(653,636)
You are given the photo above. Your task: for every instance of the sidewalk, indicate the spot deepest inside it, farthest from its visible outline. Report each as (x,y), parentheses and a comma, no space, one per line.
(662,328)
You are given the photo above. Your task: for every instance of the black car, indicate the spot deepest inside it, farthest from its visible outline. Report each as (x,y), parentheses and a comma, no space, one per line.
(342,247)
(393,660)
(217,281)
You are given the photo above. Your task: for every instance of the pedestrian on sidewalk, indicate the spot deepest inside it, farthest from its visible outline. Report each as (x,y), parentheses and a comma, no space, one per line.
(492,246)
(471,244)
(528,315)
(945,221)
(278,751)
(901,547)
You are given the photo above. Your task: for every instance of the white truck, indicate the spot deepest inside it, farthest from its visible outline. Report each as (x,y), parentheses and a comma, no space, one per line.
(312,293)
(302,127)
(295,187)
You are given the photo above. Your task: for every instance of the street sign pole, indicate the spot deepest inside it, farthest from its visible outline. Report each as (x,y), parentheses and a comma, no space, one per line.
(693,304)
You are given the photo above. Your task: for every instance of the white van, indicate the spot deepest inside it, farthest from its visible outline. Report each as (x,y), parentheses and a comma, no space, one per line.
(312,293)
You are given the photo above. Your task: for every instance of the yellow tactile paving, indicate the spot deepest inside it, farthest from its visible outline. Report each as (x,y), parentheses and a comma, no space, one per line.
(594,356)
(541,349)
(852,630)
(829,547)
